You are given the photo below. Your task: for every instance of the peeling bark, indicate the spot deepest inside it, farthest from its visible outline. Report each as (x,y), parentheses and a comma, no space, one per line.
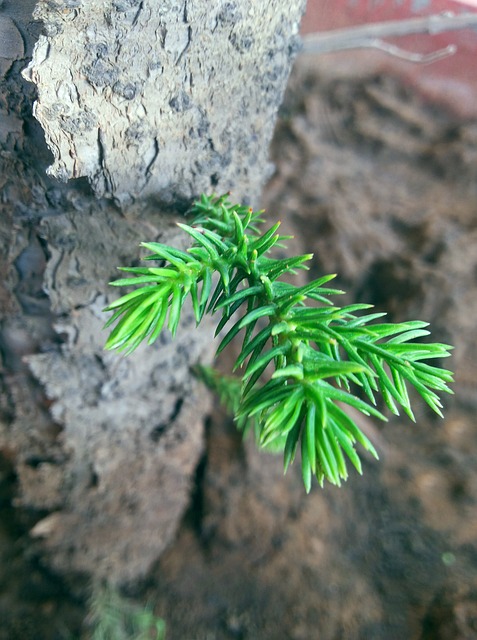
(163,99)
(153,102)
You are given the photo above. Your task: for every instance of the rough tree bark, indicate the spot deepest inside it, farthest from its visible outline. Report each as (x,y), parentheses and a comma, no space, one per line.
(152,101)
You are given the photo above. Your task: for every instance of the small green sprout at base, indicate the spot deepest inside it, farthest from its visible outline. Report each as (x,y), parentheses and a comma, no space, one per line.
(113,617)
(317,351)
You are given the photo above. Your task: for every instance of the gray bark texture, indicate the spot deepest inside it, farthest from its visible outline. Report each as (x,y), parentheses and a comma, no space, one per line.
(165,98)
(153,102)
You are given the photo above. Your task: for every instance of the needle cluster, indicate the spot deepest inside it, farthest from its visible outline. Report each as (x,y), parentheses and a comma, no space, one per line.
(303,359)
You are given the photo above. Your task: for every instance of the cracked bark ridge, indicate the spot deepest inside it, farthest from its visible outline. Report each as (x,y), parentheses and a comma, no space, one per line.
(163,99)
(104,447)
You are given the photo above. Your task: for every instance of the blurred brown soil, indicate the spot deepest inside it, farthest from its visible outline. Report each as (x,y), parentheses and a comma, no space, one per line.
(383,190)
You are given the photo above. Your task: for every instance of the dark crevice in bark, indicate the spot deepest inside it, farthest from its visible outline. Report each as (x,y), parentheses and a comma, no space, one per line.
(158,431)
(195,513)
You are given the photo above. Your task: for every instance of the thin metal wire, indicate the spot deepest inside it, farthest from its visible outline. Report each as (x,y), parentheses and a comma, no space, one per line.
(419,58)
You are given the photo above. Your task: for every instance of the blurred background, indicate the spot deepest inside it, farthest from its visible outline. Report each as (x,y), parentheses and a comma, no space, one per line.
(376,173)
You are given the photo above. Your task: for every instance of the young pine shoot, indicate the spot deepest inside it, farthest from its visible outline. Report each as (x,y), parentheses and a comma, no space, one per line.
(301,355)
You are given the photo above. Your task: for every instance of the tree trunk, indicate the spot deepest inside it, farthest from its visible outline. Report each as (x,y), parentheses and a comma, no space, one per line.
(153,102)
